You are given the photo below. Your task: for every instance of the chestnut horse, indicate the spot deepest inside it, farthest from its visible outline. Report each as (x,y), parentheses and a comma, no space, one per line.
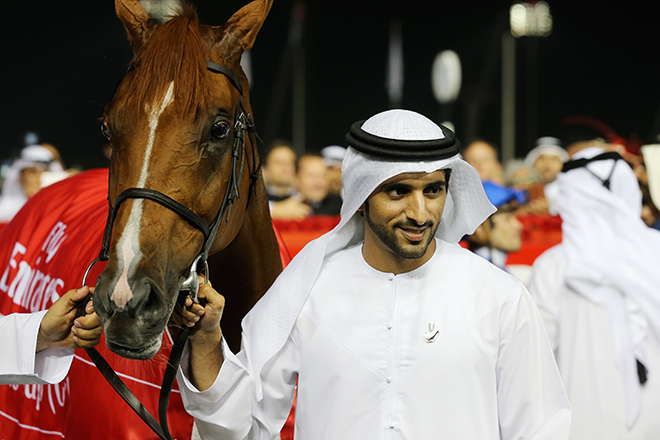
(183,163)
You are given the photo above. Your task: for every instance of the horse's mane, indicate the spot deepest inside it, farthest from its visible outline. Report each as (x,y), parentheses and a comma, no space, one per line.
(174,52)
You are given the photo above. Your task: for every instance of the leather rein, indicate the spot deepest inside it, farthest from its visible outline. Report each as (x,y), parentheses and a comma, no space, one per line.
(242,123)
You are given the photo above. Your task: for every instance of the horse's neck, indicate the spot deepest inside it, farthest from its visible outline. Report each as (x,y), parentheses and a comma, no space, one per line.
(245,269)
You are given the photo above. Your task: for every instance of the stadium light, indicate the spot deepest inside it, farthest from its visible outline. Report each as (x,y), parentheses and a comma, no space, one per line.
(530,19)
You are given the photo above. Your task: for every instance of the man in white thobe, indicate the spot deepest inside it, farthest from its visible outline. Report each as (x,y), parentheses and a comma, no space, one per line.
(599,295)
(390,329)
(38,347)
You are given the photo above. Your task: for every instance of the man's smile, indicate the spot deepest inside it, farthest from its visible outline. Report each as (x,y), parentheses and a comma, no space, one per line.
(414,234)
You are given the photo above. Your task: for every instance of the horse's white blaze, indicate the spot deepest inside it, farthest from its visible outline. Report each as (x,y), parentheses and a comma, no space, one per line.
(128,248)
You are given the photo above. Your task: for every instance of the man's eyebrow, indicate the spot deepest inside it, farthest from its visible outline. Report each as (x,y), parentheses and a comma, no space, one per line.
(395,185)
(437,184)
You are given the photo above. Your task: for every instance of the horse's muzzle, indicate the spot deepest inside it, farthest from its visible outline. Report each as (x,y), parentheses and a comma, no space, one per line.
(133,330)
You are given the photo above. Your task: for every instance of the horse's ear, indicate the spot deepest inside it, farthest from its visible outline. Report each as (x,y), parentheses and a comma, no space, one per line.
(136,21)
(240,31)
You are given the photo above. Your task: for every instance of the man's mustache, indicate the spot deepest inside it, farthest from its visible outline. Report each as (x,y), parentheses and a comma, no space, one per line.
(413,224)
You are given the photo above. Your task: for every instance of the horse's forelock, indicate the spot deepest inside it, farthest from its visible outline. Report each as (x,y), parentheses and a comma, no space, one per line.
(174,52)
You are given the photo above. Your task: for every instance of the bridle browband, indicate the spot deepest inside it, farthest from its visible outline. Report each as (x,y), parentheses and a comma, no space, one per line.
(242,123)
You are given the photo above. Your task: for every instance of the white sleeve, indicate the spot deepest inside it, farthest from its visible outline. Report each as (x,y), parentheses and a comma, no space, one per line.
(532,403)
(229,408)
(19,362)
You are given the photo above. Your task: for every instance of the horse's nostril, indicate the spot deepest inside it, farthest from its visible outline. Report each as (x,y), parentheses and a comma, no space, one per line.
(104,309)
(102,306)
(149,302)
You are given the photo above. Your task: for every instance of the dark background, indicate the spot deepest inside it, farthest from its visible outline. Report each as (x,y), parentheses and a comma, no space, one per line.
(61,62)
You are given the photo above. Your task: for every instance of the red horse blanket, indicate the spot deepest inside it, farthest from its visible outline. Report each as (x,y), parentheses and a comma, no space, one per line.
(44,252)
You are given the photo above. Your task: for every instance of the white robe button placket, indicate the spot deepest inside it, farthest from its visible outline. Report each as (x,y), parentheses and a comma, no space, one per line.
(389,378)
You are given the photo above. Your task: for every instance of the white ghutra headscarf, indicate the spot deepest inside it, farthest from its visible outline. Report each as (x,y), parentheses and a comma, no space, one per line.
(466,207)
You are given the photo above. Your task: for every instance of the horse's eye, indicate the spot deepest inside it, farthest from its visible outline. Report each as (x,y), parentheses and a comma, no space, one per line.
(105,130)
(220,129)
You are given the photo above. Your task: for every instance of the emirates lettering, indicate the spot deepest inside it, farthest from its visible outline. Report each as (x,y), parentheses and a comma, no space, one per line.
(29,287)
(54,241)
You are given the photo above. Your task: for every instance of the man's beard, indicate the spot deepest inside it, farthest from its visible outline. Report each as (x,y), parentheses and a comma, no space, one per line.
(390,239)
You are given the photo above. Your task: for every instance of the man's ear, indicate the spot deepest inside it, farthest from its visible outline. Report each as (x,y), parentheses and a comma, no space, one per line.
(362,208)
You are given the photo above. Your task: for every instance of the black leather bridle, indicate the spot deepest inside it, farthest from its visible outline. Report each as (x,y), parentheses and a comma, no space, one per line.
(243,124)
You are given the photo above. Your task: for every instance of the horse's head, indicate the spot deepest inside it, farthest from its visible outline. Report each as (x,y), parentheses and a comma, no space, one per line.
(172,128)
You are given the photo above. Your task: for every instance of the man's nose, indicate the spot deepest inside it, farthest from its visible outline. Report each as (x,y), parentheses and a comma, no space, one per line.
(416,209)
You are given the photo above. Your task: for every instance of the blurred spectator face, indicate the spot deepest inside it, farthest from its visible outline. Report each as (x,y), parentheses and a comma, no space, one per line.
(483,158)
(312,179)
(504,231)
(31,180)
(549,166)
(334,179)
(280,167)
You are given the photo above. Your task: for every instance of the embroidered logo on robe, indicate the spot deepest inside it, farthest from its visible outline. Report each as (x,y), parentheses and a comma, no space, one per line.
(430,335)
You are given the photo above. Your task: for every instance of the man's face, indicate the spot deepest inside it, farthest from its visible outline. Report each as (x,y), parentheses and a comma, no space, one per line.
(504,231)
(549,166)
(312,179)
(403,214)
(280,167)
(483,158)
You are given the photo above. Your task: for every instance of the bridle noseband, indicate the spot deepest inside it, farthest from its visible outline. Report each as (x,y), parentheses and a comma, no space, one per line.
(242,123)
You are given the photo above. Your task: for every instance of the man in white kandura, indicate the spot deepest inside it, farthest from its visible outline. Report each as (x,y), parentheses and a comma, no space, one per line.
(38,347)
(390,329)
(599,295)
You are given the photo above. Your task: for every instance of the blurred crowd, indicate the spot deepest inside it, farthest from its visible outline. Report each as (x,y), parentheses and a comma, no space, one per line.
(35,167)
(309,184)
(527,186)
(305,185)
